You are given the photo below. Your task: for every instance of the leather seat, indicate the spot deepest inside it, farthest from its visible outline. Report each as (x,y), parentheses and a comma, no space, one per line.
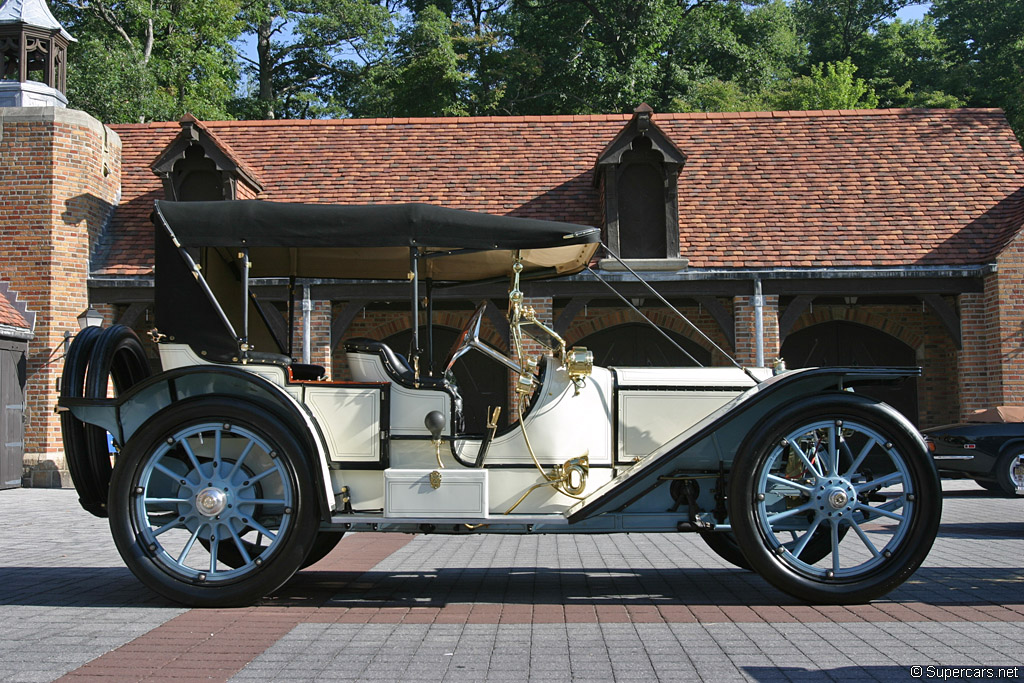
(395,364)
(307,372)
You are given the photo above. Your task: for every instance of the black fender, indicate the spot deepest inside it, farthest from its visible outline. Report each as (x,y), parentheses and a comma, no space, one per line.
(125,415)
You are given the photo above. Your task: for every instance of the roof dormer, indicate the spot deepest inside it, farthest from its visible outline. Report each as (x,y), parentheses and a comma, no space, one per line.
(638,173)
(196,166)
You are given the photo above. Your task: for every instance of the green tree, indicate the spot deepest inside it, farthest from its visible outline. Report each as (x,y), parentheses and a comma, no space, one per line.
(420,75)
(725,56)
(830,86)
(907,64)
(152,60)
(307,51)
(985,39)
(833,29)
(584,56)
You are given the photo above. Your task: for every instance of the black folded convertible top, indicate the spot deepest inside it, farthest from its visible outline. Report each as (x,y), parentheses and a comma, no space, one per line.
(374,241)
(272,224)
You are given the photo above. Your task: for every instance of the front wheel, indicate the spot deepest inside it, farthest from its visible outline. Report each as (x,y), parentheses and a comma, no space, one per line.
(847,469)
(212,504)
(1009,473)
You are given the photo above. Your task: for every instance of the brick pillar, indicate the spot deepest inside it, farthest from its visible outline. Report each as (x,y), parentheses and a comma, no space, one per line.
(992,327)
(58,185)
(320,335)
(746,328)
(977,368)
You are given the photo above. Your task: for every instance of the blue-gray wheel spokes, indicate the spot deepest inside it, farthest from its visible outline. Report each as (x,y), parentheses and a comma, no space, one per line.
(211,491)
(825,479)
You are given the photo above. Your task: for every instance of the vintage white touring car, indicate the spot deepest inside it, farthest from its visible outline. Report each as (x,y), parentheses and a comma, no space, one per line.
(236,466)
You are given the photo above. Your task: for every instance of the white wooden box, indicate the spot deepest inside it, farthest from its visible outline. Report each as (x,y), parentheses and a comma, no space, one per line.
(462,493)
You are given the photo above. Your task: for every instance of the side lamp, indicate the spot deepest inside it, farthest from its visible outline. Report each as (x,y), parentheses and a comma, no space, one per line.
(90,317)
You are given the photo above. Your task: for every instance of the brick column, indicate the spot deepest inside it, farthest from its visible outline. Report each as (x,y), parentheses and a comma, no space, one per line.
(746,328)
(58,185)
(320,334)
(977,366)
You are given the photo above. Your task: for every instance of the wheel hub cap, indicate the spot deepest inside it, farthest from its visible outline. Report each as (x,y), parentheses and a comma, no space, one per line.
(837,498)
(211,502)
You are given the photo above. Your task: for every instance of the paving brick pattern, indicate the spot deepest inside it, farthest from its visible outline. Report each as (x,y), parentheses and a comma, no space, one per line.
(476,608)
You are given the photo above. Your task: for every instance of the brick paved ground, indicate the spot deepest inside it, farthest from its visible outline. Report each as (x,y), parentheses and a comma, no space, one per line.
(586,608)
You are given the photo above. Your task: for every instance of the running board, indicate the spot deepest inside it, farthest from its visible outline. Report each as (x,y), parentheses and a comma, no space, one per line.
(527,520)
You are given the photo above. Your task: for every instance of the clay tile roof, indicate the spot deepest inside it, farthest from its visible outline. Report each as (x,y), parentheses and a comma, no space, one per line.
(11,316)
(866,188)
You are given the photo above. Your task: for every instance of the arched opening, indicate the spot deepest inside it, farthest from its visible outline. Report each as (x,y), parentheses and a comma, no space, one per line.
(635,345)
(840,342)
(482,381)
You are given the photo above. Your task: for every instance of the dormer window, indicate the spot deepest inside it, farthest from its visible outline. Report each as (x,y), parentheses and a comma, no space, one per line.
(638,172)
(196,166)
(195,178)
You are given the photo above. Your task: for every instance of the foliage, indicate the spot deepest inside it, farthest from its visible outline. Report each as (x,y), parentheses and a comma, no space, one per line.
(307,52)
(328,58)
(830,86)
(985,44)
(151,60)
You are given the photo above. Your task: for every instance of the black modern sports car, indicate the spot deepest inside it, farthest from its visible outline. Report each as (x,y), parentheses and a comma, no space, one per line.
(988,448)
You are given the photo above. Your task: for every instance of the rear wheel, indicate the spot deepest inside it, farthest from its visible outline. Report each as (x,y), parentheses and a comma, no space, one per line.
(850,469)
(211,503)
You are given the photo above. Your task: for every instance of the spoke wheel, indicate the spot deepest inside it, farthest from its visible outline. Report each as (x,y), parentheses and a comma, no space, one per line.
(211,503)
(843,469)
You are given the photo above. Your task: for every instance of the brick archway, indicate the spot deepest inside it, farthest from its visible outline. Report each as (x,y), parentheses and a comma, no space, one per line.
(584,327)
(860,316)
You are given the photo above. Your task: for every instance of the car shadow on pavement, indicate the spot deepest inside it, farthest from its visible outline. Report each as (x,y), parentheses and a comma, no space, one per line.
(76,587)
(116,587)
(984,530)
(948,586)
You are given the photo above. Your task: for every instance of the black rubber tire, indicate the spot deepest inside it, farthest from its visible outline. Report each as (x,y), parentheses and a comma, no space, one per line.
(116,357)
(155,565)
(95,356)
(76,452)
(1004,482)
(989,485)
(724,544)
(323,544)
(908,551)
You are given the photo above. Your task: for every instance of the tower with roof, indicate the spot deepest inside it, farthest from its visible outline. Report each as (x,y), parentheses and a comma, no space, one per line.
(33,55)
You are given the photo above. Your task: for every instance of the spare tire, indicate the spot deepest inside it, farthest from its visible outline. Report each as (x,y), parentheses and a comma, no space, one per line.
(96,357)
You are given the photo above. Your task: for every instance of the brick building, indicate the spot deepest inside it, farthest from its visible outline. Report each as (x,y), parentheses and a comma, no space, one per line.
(887,237)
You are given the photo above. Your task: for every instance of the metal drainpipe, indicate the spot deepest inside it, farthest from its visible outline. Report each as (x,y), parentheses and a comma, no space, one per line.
(758,324)
(307,309)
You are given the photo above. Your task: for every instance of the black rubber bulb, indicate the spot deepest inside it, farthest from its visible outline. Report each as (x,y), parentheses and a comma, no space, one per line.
(435,423)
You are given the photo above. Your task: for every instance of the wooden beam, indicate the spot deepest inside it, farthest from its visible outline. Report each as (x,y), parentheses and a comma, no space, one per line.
(339,326)
(569,313)
(132,314)
(722,316)
(793,311)
(948,315)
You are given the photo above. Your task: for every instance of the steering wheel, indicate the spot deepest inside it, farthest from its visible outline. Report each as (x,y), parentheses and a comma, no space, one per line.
(469,337)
